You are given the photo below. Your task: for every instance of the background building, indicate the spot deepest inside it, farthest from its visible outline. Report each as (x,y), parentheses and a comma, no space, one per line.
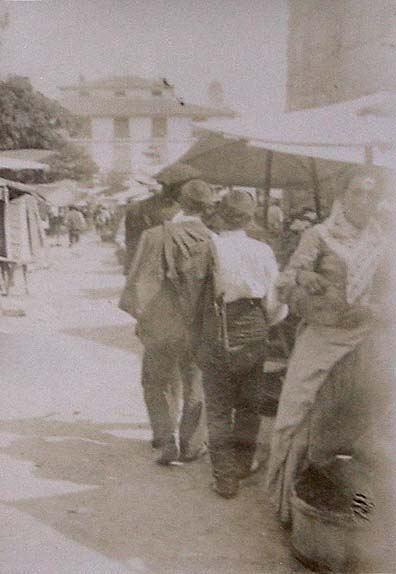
(132,123)
(340,50)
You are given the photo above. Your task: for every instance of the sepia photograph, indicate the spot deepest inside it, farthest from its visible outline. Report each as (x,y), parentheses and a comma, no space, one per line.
(197,286)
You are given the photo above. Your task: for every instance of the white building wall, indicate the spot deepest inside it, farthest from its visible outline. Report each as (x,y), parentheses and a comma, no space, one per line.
(339,50)
(180,137)
(102,129)
(101,145)
(179,129)
(140,129)
(140,133)
(140,151)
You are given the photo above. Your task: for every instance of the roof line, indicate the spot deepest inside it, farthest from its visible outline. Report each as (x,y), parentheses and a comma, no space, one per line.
(248,138)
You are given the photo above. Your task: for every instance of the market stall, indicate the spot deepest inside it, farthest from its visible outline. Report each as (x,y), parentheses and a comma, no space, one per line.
(22,238)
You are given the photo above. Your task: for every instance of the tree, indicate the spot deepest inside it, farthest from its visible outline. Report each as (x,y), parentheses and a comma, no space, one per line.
(71,162)
(28,119)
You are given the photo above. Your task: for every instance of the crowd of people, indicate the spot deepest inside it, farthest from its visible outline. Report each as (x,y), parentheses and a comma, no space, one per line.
(207,292)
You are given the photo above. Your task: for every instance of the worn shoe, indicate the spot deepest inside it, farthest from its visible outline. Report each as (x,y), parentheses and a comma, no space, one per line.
(190,457)
(170,454)
(244,472)
(156,443)
(226,487)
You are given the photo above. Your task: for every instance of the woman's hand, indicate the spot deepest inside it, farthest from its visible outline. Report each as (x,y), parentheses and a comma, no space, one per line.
(312,282)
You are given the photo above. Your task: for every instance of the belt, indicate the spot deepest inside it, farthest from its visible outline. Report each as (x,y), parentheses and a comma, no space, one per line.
(251,302)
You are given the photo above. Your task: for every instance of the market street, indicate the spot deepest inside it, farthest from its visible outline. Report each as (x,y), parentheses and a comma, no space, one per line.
(80,489)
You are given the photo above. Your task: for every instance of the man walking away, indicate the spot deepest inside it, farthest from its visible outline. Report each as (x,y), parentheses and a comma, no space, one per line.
(239,306)
(75,223)
(143,215)
(164,285)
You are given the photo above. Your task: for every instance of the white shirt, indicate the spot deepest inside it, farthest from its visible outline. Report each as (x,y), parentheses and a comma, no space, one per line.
(247,269)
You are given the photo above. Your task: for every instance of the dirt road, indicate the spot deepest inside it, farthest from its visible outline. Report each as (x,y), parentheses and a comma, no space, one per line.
(79,489)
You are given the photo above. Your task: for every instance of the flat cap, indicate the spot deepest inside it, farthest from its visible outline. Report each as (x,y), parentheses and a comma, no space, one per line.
(239,202)
(197,192)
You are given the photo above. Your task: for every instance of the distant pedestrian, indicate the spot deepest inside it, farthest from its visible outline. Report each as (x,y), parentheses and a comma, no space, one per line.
(75,224)
(275,216)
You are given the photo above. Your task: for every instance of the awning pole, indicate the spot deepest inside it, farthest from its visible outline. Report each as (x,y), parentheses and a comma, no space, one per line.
(267,182)
(316,188)
(368,154)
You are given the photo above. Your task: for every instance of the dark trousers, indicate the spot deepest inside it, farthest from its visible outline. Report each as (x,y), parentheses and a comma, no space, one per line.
(232,372)
(233,420)
(74,236)
(169,377)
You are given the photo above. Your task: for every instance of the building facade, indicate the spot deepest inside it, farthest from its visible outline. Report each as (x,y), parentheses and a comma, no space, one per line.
(132,124)
(340,50)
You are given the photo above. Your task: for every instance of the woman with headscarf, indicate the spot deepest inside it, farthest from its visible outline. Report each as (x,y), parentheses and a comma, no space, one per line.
(328,283)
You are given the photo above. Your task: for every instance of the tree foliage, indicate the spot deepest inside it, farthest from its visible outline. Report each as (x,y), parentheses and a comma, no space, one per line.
(30,120)
(71,162)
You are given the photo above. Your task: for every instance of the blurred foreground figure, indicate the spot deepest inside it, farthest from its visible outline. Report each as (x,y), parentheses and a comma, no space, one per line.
(239,306)
(329,283)
(162,291)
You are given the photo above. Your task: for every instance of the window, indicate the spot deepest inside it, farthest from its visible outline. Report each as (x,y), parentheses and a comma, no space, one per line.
(159,128)
(121,128)
(156,92)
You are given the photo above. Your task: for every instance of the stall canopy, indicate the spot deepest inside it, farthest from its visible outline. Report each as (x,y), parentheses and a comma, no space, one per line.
(308,149)
(17,164)
(60,193)
(232,160)
(15,188)
(227,160)
(21,237)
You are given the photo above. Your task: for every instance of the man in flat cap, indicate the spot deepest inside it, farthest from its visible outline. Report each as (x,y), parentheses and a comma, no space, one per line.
(162,290)
(239,305)
(143,215)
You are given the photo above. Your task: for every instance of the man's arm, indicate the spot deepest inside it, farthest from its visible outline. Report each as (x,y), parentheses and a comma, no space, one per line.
(300,271)
(275,309)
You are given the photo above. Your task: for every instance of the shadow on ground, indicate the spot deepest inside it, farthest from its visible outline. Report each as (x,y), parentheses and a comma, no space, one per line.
(116,336)
(102,293)
(167,518)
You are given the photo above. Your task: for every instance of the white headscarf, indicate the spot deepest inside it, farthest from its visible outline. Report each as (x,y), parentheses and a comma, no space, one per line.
(360,249)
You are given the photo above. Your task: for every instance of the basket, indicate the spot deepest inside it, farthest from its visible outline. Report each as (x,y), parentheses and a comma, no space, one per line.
(324,540)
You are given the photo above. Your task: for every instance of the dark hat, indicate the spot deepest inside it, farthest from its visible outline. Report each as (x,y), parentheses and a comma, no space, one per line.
(178,173)
(196,193)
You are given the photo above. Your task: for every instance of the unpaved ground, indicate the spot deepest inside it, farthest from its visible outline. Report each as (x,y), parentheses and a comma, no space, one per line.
(79,489)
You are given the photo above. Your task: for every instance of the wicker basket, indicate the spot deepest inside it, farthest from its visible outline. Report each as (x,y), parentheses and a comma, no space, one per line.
(323,540)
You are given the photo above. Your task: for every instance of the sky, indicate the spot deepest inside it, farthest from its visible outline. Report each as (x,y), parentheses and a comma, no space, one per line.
(241,43)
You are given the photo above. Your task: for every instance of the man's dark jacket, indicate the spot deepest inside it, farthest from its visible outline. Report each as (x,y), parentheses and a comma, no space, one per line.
(166,280)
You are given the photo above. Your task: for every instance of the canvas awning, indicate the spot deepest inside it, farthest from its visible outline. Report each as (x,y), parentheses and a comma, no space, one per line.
(17,164)
(235,160)
(17,188)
